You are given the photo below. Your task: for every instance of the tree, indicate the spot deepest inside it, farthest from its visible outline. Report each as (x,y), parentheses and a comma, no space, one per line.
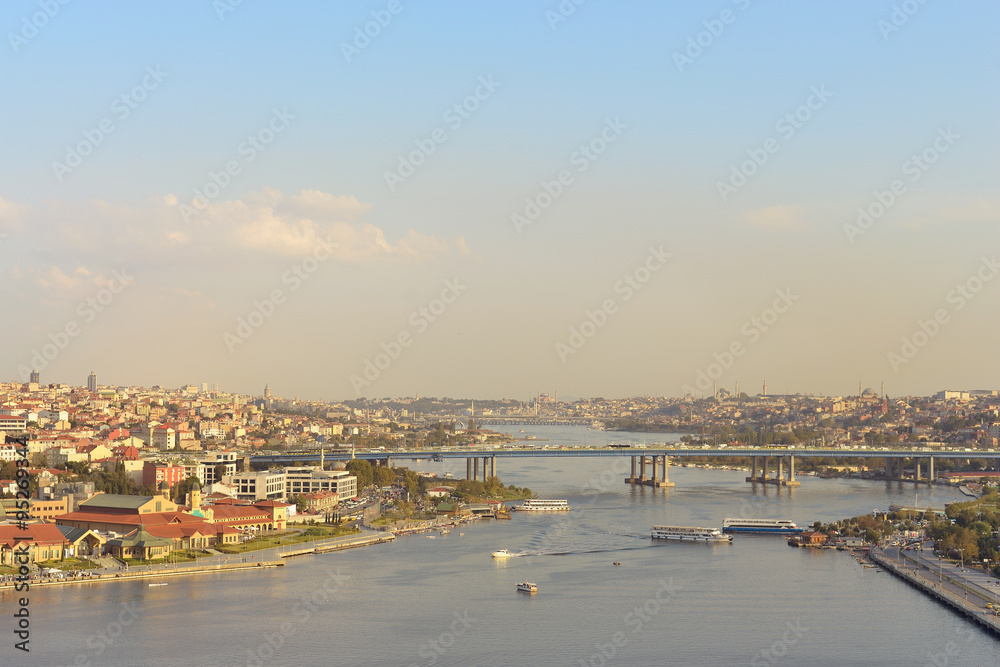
(300,503)
(181,490)
(220,471)
(384,476)
(362,470)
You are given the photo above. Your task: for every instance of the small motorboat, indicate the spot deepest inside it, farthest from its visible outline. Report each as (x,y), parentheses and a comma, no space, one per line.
(159,584)
(617,562)
(527,587)
(502,553)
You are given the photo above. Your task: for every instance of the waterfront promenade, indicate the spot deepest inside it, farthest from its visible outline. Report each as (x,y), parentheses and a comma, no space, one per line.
(251,560)
(965,590)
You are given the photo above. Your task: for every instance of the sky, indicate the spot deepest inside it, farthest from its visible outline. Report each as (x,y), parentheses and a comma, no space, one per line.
(476,199)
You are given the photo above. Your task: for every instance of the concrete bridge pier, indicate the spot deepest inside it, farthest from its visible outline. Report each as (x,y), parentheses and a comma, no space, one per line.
(930,476)
(916,471)
(656,482)
(791,473)
(665,482)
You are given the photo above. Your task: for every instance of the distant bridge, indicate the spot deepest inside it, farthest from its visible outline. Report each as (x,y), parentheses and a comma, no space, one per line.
(535,421)
(759,456)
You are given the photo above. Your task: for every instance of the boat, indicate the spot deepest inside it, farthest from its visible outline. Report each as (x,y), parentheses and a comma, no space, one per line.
(159,584)
(617,562)
(527,587)
(537,505)
(445,531)
(769,526)
(502,553)
(689,534)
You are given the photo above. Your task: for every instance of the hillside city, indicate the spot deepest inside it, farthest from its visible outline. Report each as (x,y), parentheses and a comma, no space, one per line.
(142,472)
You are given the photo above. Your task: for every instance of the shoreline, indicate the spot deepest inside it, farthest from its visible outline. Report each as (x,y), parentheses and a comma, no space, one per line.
(318,547)
(940,592)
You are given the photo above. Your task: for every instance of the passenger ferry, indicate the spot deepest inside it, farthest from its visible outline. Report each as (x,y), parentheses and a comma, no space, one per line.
(535,505)
(527,587)
(690,534)
(770,526)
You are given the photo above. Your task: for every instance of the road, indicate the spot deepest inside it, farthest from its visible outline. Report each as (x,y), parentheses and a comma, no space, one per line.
(973,587)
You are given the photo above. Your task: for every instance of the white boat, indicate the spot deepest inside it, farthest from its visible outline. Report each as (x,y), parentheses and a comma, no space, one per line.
(527,587)
(769,526)
(502,553)
(536,505)
(689,534)
(159,584)
(445,531)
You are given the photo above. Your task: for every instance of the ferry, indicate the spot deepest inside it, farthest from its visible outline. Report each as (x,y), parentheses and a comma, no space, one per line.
(535,505)
(769,526)
(159,584)
(502,553)
(690,534)
(527,587)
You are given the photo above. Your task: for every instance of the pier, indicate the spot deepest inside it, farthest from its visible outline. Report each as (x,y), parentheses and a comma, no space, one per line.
(779,479)
(654,481)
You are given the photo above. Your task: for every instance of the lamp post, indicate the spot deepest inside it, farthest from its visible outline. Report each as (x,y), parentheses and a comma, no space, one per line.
(961,555)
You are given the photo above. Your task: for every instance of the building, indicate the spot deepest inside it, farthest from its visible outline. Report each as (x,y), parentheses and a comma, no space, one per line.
(35,377)
(115,512)
(39,510)
(38,541)
(163,438)
(256,485)
(139,544)
(154,472)
(92,382)
(320,501)
(303,480)
(13,423)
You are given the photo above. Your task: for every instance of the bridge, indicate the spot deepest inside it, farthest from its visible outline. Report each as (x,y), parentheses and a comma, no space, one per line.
(535,421)
(660,459)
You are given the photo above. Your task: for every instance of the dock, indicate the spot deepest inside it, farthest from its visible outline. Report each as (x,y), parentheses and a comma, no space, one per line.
(339,545)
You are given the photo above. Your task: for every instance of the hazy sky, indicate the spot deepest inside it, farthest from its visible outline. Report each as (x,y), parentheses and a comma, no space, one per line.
(501,198)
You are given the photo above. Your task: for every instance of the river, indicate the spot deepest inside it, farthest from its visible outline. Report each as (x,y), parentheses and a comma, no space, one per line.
(445,601)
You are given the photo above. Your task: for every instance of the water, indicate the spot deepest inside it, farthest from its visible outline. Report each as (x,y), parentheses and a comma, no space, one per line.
(445,601)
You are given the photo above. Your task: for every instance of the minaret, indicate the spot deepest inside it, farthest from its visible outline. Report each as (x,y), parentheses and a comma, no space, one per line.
(882,391)
(765,388)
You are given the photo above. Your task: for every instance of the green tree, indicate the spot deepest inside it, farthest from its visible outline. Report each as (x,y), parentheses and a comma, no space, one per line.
(384,476)
(362,470)
(300,503)
(181,490)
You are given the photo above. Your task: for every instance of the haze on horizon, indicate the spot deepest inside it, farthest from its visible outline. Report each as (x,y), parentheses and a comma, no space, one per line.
(501,198)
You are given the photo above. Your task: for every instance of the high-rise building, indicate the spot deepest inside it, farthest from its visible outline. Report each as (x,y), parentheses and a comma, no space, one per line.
(92,381)
(35,375)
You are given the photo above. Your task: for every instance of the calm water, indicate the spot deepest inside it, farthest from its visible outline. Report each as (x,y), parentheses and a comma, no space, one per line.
(444,601)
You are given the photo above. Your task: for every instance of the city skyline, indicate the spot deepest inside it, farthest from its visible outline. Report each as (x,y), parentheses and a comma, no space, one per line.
(390,199)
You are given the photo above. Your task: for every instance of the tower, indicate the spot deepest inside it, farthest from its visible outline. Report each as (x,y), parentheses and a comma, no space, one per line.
(35,375)
(92,382)
(267,390)
(765,387)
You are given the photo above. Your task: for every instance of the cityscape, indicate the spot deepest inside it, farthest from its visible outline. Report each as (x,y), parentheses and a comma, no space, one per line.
(522,333)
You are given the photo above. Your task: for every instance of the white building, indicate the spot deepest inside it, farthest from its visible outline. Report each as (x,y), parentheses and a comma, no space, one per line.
(309,480)
(257,485)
